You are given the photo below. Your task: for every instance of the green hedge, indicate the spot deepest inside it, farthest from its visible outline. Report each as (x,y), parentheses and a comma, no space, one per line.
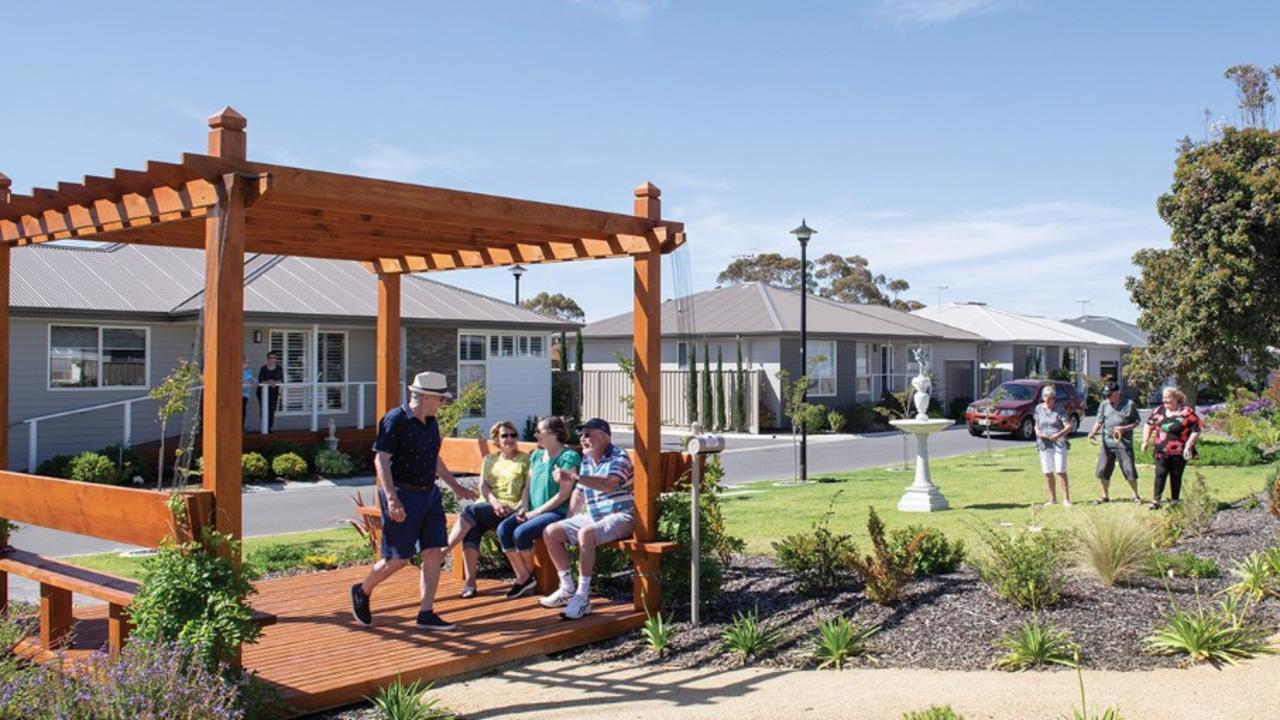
(1214,452)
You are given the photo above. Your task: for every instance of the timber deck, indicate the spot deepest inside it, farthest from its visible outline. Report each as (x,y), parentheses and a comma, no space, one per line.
(319,658)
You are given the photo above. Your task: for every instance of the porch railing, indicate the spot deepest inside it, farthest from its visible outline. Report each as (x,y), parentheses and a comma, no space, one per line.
(316,397)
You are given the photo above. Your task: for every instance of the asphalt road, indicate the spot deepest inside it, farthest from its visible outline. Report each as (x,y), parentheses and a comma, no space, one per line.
(746,459)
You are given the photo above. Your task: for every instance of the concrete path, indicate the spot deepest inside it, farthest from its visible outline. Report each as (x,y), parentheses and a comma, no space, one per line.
(556,690)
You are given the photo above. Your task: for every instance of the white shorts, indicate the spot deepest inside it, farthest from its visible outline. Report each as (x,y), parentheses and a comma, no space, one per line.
(614,526)
(1053,459)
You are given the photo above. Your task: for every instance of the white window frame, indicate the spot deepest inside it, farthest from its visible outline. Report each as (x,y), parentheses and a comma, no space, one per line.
(816,382)
(346,368)
(482,363)
(48,358)
(862,368)
(310,365)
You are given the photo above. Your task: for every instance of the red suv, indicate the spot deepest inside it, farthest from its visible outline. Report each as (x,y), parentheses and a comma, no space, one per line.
(1015,412)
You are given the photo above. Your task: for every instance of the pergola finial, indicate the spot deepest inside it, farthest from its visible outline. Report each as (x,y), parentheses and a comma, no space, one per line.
(648,190)
(227,138)
(5,184)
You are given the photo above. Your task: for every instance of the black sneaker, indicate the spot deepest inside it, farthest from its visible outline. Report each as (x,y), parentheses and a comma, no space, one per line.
(522,589)
(360,606)
(428,620)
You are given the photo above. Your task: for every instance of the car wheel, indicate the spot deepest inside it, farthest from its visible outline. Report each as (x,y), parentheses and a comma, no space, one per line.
(1075,423)
(975,430)
(1027,430)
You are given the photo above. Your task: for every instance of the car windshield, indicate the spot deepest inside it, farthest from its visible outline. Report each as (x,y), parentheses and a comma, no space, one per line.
(1013,391)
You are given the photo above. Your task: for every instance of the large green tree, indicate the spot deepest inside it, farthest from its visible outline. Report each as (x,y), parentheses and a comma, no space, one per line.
(846,279)
(1211,300)
(558,306)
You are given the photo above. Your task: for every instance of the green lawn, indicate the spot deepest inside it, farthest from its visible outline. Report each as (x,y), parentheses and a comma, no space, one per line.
(268,552)
(1007,487)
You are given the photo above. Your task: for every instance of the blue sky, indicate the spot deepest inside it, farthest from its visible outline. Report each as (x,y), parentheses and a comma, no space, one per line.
(1012,150)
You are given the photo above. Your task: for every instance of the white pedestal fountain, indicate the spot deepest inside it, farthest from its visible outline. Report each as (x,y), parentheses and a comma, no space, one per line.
(923,495)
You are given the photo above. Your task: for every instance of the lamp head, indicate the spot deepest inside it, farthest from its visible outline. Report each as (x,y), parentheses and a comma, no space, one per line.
(804,232)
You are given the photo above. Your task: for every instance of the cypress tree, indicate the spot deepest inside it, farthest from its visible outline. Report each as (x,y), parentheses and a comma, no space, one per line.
(706,387)
(739,394)
(578,377)
(720,389)
(691,392)
(564,351)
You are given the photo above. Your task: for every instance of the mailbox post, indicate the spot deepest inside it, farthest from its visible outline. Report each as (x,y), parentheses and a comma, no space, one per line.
(698,445)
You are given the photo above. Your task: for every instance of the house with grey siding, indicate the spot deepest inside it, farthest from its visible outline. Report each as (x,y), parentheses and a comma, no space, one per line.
(1019,346)
(864,349)
(93,329)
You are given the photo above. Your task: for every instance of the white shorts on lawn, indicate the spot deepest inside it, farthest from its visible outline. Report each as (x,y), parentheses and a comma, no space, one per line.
(614,526)
(1053,459)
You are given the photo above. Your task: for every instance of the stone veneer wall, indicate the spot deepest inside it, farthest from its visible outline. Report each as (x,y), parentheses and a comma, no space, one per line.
(434,349)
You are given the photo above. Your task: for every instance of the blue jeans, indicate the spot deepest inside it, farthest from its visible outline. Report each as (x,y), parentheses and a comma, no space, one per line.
(482,519)
(516,535)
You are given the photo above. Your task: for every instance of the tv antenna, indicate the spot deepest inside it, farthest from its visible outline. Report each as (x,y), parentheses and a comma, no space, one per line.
(939,288)
(1084,302)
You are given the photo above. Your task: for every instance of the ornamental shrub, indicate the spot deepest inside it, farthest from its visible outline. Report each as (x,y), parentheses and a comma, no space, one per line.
(128,462)
(277,448)
(253,466)
(1026,568)
(334,463)
(57,466)
(822,562)
(290,466)
(836,421)
(196,594)
(91,467)
(815,418)
(935,554)
(883,572)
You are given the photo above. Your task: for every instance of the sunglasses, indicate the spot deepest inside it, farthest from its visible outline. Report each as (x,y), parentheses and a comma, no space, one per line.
(508,435)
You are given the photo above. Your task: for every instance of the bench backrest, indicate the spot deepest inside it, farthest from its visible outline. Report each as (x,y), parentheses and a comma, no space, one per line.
(125,515)
(466,455)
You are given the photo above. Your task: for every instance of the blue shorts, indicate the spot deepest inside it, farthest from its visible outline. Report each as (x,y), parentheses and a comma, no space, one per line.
(423,526)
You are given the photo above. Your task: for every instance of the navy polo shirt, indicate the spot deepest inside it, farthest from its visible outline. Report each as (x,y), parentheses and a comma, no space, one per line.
(414,446)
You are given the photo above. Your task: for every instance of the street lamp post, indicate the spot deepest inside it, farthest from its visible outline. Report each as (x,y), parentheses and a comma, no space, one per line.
(517,270)
(803,233)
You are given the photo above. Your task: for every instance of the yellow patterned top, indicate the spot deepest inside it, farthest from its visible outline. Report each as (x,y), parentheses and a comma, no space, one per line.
(506,478)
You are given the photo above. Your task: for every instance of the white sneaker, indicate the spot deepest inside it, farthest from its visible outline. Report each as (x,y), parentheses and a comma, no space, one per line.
(559,598)
(1066,503)
(579,607)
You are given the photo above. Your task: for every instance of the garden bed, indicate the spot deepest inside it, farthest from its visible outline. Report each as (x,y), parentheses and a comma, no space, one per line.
(950,621)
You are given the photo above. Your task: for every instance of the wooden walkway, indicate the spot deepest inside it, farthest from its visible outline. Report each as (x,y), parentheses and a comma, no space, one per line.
(320,658)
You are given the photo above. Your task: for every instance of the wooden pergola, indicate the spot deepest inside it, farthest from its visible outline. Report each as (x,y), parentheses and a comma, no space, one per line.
(227,205)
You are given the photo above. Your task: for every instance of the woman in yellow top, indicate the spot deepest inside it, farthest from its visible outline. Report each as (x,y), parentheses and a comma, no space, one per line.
(504,491)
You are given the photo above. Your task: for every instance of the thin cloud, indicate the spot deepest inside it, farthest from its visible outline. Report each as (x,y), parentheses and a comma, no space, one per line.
(631,11)
(397,163)
(931,12)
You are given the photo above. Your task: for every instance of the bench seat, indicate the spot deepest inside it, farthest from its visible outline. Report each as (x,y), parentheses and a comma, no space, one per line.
(59,581)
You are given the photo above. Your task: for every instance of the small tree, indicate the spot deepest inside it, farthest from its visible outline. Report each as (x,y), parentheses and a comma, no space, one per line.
(627,366)
(993,398)
(901,412)
(739,394)
(470,400)
(720,414)
(691,391)
(562,361)
(174,395)
(706,387)
(578,377)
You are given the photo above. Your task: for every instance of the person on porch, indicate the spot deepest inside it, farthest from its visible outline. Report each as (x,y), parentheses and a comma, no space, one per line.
(270,377)
(604,487)
(407,463)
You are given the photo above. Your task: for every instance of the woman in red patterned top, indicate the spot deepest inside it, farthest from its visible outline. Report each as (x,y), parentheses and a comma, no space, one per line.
(1174,427)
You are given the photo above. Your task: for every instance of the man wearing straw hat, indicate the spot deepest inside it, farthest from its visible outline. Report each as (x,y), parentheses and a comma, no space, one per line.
(407,461)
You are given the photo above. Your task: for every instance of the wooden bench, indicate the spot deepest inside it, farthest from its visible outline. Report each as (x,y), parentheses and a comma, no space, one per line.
(125,515)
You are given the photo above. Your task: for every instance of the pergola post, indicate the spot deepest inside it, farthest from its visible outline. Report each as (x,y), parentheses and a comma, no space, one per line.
(5,184)
(224,327)
(647,352)
(388,343)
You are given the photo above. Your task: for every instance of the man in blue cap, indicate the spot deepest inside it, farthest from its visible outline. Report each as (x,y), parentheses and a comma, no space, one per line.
(603,485)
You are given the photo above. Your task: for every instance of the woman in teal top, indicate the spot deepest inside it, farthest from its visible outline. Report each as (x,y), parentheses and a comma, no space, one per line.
(548,502)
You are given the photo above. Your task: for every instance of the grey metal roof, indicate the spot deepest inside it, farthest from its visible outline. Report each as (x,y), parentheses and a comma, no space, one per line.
(146,279)
(758,309)
(1130,334)
(1002,326)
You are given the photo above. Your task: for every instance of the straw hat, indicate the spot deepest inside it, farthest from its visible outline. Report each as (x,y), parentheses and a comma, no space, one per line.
(430,383)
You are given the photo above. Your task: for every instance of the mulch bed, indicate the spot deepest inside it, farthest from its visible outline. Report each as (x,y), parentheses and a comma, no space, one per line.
(949,622)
